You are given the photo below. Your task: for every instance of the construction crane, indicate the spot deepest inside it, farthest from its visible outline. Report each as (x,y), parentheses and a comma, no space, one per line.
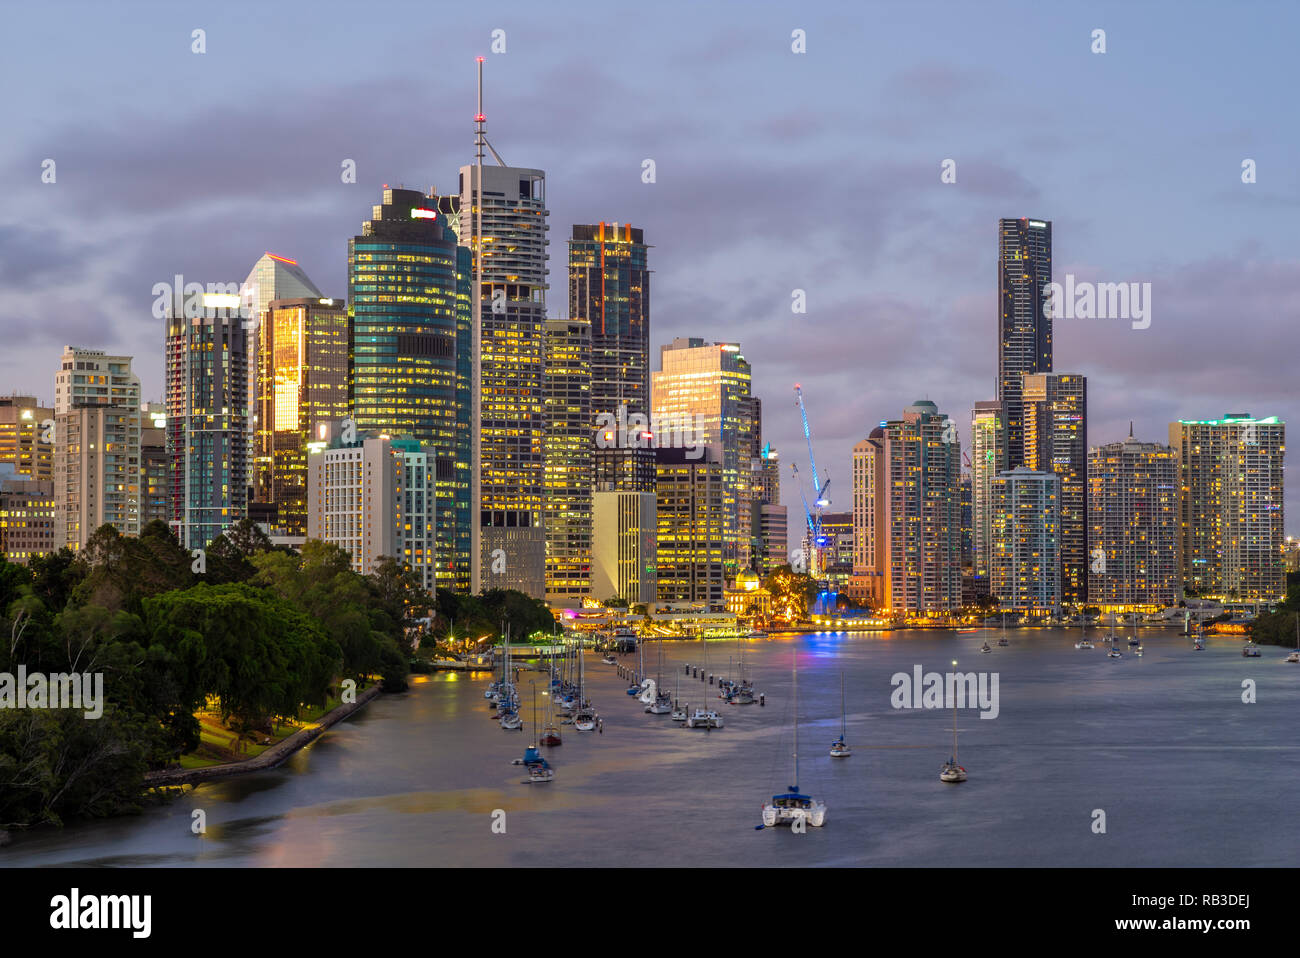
(816,539)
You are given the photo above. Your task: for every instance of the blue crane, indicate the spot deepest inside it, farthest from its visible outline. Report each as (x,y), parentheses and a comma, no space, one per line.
(817,539)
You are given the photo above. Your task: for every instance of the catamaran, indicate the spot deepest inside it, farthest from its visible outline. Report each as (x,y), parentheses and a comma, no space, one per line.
(951,771)
(792,806)
(840,748)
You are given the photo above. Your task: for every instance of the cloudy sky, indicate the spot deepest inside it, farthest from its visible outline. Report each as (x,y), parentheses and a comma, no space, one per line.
(775,171)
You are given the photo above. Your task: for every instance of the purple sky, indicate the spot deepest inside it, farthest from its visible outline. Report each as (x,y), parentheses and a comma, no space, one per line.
(775,171)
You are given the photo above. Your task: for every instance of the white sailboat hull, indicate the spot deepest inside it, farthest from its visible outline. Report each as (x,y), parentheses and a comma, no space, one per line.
(814,815)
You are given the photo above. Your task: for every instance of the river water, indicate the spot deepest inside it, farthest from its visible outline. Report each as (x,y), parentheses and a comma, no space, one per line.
(1184,772)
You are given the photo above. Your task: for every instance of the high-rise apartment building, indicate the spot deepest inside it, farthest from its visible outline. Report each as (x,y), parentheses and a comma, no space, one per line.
(870,581)
(96,445)
(988,459)
(567,508)
(27,437)
(1024,574)
(302,380)
(206,350)
(1133,511)
(155,500)
(1024,328)
(354,494)
(411,352)
(922,475)
(27,517)
(1056,441)
(1231,506)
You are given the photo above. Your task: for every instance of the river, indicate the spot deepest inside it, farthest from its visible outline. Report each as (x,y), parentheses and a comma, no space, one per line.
(1184,772)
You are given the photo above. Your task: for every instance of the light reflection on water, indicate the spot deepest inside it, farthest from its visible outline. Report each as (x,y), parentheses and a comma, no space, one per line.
(1163,744)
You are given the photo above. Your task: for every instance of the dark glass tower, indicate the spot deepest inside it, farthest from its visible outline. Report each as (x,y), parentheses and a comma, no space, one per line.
(409,286)
(1024,332)
(609,285)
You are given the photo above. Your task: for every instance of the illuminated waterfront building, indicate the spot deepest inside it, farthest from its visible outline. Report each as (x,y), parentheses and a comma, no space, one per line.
(708,386)
(1231,506)
(1133,542)
(567,510)
(870,581)
(694,520)
(1024,331)
(302,379)
(1024,574)
(27,437)
(206,351)
(512,312)
(411,350)
(1056,441)
(96,445)
(27,517)
(988,459)
(625,543)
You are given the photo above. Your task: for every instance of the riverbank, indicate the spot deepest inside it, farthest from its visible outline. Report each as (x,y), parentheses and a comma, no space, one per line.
(273,756)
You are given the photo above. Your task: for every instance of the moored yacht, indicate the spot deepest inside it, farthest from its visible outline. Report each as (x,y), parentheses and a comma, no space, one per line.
(793,806)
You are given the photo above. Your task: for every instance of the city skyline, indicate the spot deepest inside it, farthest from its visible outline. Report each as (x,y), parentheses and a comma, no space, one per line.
(82,253)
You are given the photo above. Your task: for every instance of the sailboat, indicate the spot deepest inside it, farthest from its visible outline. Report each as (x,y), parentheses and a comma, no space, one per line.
(1003,641)
(539,770)
(951,771)
(702,717)
(663,703)
(1295,656)
(840,748)
(1083,642)
(584,719)
(679,707)
(509,703)
(635,688)
(1114,653)
(787,808)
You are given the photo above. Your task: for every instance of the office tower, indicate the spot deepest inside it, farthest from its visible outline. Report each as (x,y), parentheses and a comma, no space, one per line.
(923,512)
(1133,512)
(1056,440)
(967,492)
(272,277)
(207,420)
(154,494)
(703,388)
(624,548)
(96,445)
(417,505)
(837,530)
(567,447)
(1025,574)
(27,437)
(988,459)
(768,481)
(354,494)
(1024,330)
(870,581)
(511,311)
(609,285)
(411,350)
(27,516)
(773,532)
(302,379)
(694,522)
(1230,523)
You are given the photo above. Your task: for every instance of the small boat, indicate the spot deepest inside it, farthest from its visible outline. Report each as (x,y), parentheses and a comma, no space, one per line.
(1084,644)
(1003,642)
(985,648)
(585,720)
(539,775)
(1133,642)
(551,736)
(610,660)
(1294,657)
(704,718)
(1138,652)
(793,806)
(951,771)
(841,748)
(1250,650)
(1114,653)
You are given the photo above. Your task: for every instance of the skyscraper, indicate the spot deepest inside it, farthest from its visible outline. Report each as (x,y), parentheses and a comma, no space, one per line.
(870,581)
(694,522)
(155,501)
(1025,570)
(567,512)
(922,475)
(707,385)
(1230,526)
(1133,510)
(410,351)
(1024,331)
(609,284)
(1056,441)
(96,446)
(207,358)
(988,459)
(624,550)
(302,379)
(512,310)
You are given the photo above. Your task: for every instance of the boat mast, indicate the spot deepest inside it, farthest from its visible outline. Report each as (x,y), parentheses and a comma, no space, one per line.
(843,717)
(954,720)
(795,673)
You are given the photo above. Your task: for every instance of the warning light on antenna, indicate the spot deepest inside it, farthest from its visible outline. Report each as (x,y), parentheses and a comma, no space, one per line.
(479,118)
